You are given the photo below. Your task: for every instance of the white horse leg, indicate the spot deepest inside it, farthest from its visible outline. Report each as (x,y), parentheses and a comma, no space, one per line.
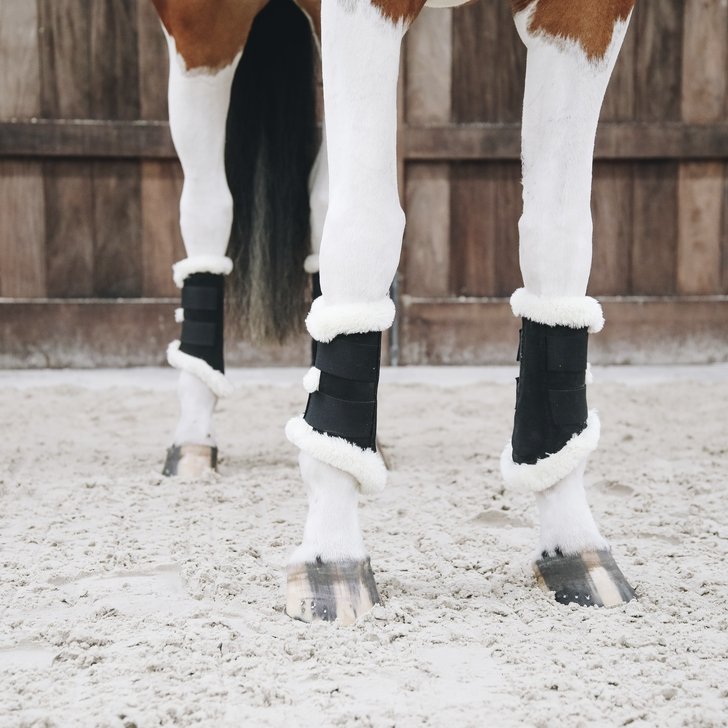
(329,575)
(572,48)
(198,106)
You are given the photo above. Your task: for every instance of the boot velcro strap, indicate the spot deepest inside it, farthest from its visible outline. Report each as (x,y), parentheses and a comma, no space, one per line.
(567,353)
(198,333)
(353,421)
(568,406)
(354,356)
(200,298)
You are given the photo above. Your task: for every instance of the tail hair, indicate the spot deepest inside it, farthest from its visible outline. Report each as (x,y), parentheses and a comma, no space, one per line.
(269,151)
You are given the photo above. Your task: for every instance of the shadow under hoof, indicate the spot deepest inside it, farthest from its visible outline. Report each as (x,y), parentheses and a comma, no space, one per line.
(591,579)
(190,461)
(341,590)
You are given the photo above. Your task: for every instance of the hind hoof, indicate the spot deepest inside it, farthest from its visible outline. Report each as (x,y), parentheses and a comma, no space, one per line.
(341,590)
(590,579)
(190,461)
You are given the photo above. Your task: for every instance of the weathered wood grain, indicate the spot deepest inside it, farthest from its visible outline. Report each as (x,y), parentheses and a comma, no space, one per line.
(472,230)
(116,185)
(22,232)
(161,240)
(640,330)
(612,201)
(65,94)
(701,186)
(428,79)
(427,235)
(654,229)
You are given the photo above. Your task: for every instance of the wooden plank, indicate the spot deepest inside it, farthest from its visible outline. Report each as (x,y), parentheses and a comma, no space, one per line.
(428,82)
(161,239)
(656,330)
(506,212)
(704,61)
(615,140)
(658,66)
(474,60)
(619,101)
(117,222)
(509,67)
(153,63)
(701,186)
(699,254)
(612,201)
(151,140)
(22,233)
(654,243)
(92,333)
(427,235)
(724,232)
(65,93)
(116,185)
(472,229)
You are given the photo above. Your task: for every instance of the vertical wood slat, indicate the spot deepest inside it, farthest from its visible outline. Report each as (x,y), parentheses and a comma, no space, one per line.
(701,185)
(658,75)
(117,185)
(161,182)
(65,93)
(22,232)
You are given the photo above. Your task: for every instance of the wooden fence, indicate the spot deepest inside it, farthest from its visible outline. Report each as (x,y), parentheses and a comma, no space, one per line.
(89,188)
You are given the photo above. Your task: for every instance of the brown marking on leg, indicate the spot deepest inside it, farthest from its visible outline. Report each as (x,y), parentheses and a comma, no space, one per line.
(589,22)
(397,10)
(312,8)
(208,33)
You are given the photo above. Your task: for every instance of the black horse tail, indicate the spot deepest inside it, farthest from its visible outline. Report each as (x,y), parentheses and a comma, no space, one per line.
(269,151)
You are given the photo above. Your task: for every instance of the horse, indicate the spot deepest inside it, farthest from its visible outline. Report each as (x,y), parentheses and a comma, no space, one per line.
(260,204)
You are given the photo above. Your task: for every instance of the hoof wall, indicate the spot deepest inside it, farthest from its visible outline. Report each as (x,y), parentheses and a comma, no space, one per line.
(190,461)
(342,590)
(591,579)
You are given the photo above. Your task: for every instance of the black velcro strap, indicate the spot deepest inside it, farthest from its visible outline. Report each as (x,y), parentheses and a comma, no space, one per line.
(567,353)
(350,420)
(198,333)
(355,356)
(200,298)
(568,406)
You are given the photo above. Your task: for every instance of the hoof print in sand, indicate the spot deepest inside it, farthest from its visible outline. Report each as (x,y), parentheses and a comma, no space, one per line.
(190,461)
(341,590)
(591,579)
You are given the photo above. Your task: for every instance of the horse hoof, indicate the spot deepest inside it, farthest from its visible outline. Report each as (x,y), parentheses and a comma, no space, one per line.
(591,579)
(341,590)
(190,461)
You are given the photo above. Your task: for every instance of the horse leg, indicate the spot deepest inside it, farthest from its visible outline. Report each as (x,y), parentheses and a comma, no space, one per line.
(329,576)
(572,48)
(202,67)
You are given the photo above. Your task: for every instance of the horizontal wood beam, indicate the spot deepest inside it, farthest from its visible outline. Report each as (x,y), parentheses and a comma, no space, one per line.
(639,330)
(473,142)
(38,333)
(615,140)
(86,138)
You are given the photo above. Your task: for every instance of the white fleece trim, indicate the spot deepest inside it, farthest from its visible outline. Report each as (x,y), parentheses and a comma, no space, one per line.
(366,466)
(311,264)
(218,383)
(577,312)
(311,380)
(550,470)
(325,322)
(220,264)
(179,315)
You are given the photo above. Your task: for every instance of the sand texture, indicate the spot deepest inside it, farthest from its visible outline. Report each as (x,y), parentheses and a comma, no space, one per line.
(132,600)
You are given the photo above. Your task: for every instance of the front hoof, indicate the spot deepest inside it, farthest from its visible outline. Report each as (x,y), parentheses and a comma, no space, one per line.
(341,590)
(590,579)
(190,461)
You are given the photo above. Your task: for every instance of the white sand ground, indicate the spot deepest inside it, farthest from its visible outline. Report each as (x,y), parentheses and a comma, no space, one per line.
(128,599)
